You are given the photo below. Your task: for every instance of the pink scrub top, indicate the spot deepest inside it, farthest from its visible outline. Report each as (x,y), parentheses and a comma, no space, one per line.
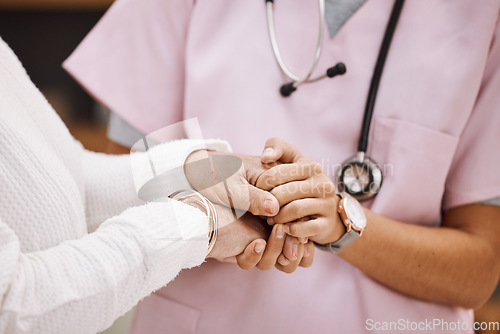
(435,131)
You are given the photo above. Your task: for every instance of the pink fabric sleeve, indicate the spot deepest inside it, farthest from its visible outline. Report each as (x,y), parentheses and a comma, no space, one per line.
(133,61)
(474,175)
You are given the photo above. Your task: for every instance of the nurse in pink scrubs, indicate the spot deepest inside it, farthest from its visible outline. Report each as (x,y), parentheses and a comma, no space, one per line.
(430,251)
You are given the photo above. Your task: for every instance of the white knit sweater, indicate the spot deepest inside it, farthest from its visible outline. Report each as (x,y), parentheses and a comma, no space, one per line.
(71,259)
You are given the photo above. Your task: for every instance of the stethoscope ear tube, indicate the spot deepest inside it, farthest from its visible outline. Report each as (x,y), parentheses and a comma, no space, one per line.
(286,90)
(359,176)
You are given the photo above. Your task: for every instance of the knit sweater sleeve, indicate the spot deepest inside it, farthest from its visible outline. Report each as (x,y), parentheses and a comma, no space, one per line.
(112,182)
(82,286)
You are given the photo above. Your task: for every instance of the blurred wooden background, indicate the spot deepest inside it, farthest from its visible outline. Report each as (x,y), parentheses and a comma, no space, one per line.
(43,33)
(55,4)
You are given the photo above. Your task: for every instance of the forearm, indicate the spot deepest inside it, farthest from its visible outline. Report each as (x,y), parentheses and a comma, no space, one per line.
(457,263)
(444,265)
(109,187)
(82,286)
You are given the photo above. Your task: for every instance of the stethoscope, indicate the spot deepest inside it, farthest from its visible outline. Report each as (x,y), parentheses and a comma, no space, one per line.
(359,175)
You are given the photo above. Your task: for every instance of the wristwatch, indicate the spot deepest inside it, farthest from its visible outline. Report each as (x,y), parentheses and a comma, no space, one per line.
(352,215)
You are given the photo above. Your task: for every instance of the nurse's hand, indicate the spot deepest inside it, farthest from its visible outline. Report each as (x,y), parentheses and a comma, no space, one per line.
(308,205)
(229,179)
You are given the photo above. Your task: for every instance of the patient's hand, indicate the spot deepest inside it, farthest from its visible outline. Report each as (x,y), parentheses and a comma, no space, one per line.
(235,234)
(244,240)
(273,251)
(229,179)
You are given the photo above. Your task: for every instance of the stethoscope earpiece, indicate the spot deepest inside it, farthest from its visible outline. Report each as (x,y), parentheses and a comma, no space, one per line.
(287,89)
(338,69)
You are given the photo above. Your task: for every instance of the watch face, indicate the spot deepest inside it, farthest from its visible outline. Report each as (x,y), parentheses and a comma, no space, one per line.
(356,178)
(355,212)
(360,177)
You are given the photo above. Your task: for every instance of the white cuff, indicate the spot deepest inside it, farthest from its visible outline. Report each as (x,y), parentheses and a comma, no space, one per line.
(159,172)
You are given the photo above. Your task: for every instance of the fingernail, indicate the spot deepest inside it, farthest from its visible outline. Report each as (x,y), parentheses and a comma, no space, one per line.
(303,240)
(286,228)
(283,261)
(306,252)
(259,248)
(280,234)
(268,152)
(268,206)
(270,221)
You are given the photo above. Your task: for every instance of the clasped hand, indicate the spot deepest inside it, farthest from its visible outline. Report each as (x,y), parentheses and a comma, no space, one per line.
(291,192)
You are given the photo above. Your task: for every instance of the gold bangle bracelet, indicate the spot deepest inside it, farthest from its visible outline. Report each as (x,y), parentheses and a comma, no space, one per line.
(199,201)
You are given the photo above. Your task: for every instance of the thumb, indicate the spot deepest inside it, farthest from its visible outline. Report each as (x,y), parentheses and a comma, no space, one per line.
(277,149)
(262,203)
(271,154)
(251,255)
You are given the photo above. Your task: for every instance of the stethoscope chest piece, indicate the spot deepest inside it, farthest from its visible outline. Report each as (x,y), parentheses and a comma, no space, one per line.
(360,177)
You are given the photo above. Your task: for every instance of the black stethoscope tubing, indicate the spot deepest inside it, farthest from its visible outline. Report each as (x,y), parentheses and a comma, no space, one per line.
(359,175)
(377,74)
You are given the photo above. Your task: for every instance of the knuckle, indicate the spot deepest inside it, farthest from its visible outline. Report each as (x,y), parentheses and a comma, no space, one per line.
(272,140)
(316,188)
(244,264)
(316,227)
(305,166)
(287,251)
(294,229)
(278,194)
(316,167)
(252,200)
(282,215)
(322,187)
(279,218)
(328,188)
(307,262)
(272,172)
(265,180)
(292,171)
(290,268)
(294,209)
(288,255)
(310,167)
